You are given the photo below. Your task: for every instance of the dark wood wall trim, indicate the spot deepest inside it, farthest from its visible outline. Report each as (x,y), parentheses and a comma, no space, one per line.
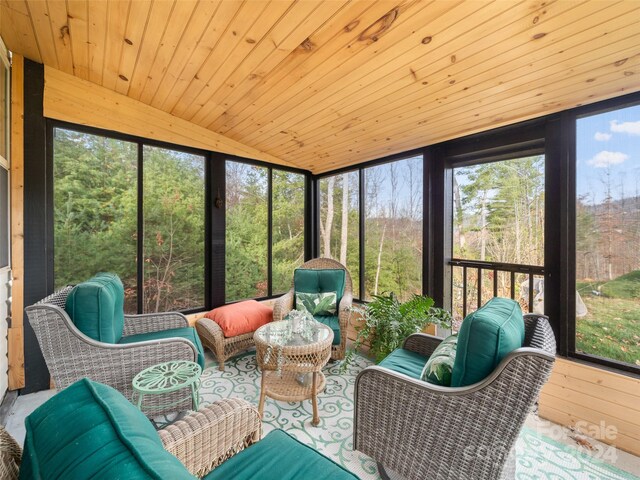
(38,229)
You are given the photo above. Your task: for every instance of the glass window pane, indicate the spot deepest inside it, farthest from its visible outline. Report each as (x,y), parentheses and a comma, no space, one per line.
(340,222)
(393,228)
(498,216)
(608,235)
(498,211)
(174,217)
(287,235)
(246,232)
(95,209)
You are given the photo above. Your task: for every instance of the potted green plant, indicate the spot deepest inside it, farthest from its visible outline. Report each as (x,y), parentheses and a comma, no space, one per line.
(386,322)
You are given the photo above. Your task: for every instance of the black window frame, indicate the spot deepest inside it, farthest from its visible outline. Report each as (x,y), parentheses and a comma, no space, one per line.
(215,217)
(555,136)
(569,128)
(360,169)
(506,143)
(308,206)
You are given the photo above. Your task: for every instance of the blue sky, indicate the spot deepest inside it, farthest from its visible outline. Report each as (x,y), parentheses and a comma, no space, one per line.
(609,142)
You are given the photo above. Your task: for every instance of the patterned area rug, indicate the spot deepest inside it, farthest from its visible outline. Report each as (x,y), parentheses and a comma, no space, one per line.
(538,457)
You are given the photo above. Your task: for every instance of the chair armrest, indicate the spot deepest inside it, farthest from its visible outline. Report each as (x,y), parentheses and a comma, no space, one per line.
(407,424)
(283,306)
(345,303)
(153,322)
(204,439)
(421,343)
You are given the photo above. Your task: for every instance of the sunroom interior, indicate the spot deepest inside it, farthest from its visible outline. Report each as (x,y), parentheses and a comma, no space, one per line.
(204,151)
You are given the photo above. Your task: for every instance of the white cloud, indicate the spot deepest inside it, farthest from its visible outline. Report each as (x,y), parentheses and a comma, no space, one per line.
(632,128)
(602,137)
(605,159)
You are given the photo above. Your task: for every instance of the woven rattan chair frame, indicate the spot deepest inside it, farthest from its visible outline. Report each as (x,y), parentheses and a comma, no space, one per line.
(421,430)
(70,355)
(222,347)
(284,304)
(201,440)
(10,456)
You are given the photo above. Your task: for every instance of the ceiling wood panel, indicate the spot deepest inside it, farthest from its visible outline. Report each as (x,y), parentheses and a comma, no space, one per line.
(502,84)
(326,84)
(522,68)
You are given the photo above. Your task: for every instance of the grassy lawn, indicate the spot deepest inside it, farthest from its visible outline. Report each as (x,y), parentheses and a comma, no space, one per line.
(611,328)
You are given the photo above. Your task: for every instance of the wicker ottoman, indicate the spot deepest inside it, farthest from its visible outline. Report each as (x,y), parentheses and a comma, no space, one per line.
(232,330)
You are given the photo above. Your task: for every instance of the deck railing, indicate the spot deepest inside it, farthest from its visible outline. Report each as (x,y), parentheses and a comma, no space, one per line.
(493,269)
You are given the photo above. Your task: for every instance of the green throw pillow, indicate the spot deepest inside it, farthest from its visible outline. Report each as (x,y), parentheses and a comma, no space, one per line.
(317,303)
(438,368)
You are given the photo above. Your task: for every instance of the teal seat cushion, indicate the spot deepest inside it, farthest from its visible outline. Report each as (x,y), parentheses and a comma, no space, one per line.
(96,307)
(186,332)
(405,361)
(333,322)
(439,367)
(90,430)
(319,281)
(485,338)
(278,456)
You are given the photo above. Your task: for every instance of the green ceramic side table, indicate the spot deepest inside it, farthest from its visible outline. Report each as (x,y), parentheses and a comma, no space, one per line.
(166,378)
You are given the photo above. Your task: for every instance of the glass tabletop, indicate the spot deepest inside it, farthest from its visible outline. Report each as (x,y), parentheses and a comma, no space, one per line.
(293,332)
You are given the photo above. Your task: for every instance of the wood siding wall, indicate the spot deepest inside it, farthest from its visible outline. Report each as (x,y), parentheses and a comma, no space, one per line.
(74,100)
(16,332)
(592,399)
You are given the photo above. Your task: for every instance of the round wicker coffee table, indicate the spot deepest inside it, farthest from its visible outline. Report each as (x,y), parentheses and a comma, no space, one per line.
(292,361)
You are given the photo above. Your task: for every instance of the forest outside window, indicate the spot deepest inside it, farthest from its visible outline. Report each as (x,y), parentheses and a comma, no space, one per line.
(340,222)
(607,235)
(247,231)
(498,221)
(287,231)
(95,209)
(393,228)
(174,230)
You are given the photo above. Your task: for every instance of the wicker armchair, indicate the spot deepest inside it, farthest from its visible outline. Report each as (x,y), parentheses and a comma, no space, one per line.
(70,355)
(10,456)
(421,430)
(284,304)
(202,440)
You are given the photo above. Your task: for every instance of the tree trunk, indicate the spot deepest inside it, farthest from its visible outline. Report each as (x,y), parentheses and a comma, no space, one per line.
(328,225)
(375,288)
(457,200)
(483,226)
(344,237)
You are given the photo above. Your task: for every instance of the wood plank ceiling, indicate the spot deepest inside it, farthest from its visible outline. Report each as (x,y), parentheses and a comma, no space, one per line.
(326,84)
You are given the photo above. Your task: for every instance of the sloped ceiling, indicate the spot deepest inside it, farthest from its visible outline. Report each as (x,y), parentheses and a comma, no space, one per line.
(326,84)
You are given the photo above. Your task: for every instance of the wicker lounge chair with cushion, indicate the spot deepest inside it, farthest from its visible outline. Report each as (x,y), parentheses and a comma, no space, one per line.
(322,275)
(83,332)
(422,430)
(219,441)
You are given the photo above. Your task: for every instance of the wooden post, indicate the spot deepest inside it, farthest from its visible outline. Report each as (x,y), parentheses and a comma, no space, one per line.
(16,337)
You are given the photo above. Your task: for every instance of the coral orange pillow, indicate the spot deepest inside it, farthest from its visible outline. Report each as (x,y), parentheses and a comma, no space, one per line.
(242,317)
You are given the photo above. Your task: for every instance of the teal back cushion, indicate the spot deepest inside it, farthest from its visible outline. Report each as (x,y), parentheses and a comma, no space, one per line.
(320,281)
(485,338)
(90,430)
(96,307)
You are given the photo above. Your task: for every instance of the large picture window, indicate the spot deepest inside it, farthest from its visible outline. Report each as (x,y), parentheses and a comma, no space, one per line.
(498,234)
(607,235)
(393,229)
(287,233)
(247,234)
(340,222)
(95,209)
(174,230)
